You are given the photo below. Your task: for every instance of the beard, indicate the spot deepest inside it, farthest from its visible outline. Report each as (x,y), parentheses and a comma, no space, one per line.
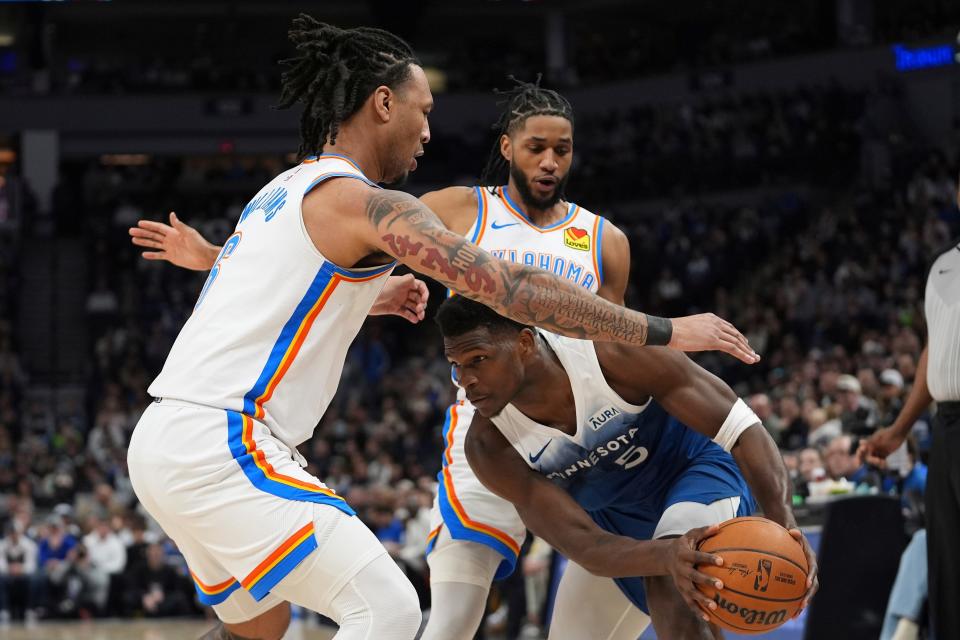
(527,195)
(398,181)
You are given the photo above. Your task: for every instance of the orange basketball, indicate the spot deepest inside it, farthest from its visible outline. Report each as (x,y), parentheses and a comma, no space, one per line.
(764,575)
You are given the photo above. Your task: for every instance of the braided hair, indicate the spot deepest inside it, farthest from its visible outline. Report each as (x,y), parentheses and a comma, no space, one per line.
(524,100)
(334,73)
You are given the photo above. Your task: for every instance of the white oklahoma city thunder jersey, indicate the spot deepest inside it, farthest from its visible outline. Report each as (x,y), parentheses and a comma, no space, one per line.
(570,248)
(271,328)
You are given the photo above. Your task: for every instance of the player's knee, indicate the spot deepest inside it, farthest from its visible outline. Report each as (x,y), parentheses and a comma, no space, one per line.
(443,625)
(382,600)
(672,618)
(404,612)
(270,625)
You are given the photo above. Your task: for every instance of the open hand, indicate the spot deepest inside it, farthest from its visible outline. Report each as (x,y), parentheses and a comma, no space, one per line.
(177,243)
(707,332)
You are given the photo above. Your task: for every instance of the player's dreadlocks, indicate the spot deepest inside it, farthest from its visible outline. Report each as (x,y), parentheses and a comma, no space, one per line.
(334,73)
(524,100)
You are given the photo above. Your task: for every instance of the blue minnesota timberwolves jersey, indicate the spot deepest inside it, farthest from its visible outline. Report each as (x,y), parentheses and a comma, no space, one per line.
(626,464)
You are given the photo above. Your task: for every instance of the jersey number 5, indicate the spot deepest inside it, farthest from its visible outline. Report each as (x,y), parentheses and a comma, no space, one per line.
(228,248)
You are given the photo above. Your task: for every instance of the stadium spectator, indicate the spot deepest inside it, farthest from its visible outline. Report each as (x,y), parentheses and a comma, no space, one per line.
(105,557)
(763,407)
(811,469)
(157,590)
(842,461)
(55,559)
(18,562)
(859,413)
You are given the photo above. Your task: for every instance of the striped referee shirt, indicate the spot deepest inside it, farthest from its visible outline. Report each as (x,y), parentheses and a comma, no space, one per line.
(942,307)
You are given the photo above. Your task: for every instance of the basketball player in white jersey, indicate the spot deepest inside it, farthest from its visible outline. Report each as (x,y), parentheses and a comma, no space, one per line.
(255,366)
(476,535)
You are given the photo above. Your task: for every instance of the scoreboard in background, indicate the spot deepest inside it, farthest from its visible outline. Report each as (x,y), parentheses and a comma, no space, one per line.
(916,58)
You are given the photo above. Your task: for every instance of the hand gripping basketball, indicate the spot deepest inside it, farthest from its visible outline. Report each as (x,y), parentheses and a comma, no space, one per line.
(684,560)
(767,573)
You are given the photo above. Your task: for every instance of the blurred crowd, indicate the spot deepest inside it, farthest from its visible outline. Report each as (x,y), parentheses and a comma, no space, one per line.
(233,50)
(827,285)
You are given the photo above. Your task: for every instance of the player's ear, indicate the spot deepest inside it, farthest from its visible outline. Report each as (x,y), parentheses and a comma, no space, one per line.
(383,100)
(526,342)
(506,147)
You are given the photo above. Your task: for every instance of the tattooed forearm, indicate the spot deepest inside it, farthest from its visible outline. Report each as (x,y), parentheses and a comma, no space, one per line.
(412,233)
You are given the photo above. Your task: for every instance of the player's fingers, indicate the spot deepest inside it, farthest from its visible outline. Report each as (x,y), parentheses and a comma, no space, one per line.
(740,340)
(746,355)
(696,601)
(874,460)
(702,578)
(144,242)
(422,288)
(700,533)
(408,315)
(808,552)
(154,255)
(702,602)
(810,594)
(150,225)
(415,310)
(146,235)
(174,220)
(699,557)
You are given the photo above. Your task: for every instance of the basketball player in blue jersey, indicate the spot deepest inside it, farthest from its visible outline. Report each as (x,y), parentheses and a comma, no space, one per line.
(476,535)
(214,458)
(621,458)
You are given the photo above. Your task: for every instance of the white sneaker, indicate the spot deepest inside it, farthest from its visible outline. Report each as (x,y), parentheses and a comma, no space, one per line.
(4,618)
(30,617)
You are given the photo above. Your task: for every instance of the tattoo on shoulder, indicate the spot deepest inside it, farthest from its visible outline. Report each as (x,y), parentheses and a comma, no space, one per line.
(386,207)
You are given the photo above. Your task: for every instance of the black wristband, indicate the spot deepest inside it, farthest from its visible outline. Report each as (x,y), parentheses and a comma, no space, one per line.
(659,331)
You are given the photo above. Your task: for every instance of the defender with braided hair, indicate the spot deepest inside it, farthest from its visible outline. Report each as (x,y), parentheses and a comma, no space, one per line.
(214,459)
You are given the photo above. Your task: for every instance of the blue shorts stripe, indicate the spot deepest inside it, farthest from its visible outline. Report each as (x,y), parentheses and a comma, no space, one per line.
(280,347)
(260,480)
(211,599)
(263,586)
(460,532)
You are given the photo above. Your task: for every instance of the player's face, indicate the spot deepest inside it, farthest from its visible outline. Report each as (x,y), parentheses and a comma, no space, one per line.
(540,154)
(409,126)
(489,367)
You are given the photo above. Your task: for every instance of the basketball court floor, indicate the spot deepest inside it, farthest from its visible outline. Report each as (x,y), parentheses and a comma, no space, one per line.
(139,630)
(190,629)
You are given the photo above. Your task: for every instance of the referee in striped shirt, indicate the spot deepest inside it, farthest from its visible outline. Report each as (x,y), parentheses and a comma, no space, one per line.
(937,379)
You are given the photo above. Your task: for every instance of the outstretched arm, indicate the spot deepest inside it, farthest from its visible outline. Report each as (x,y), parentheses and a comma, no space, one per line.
(887,440)
(177,242)
(180,244)
(550,512)
(705,403)
(405,228)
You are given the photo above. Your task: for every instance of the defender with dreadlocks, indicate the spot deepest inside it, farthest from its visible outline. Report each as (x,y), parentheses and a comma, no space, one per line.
(255,366)
(475,534)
